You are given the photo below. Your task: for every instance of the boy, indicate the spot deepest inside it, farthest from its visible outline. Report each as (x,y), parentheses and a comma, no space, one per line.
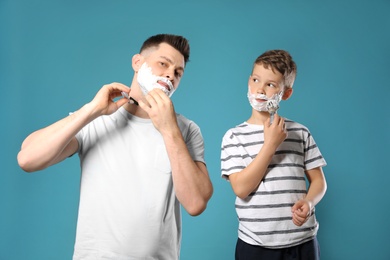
(266,164)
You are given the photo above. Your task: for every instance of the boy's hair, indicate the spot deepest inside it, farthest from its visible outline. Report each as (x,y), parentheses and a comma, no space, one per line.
(281,61)
(176,41)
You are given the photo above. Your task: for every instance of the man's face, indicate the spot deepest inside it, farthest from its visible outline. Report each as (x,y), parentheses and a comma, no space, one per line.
(162,66)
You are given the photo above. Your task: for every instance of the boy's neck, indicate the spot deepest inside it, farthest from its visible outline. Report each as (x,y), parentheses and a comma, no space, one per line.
(258,118)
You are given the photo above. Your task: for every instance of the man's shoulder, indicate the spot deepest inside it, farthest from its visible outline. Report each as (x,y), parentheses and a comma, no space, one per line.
(184,121)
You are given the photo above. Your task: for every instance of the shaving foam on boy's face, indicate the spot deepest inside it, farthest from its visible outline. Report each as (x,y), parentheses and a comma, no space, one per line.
(148,81)
(267,104)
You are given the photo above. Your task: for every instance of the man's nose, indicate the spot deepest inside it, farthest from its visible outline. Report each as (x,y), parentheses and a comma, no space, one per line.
(170,74)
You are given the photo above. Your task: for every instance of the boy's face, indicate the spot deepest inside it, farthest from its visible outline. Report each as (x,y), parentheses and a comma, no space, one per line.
(265,81)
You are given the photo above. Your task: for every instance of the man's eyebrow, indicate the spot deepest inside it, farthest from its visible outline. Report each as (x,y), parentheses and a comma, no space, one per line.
(170,61)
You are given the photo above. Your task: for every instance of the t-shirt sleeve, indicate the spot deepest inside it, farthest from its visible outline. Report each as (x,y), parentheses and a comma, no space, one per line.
(79,138)
(194,141)
(313,156)
(231,158)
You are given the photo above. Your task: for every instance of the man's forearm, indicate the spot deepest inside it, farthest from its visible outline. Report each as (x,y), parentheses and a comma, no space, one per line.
(41,148)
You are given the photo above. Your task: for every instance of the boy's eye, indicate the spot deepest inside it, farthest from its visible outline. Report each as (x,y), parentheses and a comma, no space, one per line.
(255,80)
(271,85)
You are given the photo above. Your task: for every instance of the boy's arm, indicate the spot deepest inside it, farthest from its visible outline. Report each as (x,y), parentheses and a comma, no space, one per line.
(247,180)
(317,186)
(302,209)
(56,142)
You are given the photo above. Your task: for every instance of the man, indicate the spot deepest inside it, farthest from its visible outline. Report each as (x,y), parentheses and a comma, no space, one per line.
(139,160)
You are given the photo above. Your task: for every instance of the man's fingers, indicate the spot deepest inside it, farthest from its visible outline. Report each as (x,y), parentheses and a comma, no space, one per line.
(158,95)
(116,88)
(123,100)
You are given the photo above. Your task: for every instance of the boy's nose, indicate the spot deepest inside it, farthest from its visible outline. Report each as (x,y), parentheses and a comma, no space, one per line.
(260,90)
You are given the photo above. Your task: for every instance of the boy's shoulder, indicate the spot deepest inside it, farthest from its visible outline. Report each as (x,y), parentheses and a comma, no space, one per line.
(294,124)
(242,129)
(245,128)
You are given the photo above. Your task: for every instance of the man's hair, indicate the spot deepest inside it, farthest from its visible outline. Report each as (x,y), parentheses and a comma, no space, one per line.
(281,61)
(176,41)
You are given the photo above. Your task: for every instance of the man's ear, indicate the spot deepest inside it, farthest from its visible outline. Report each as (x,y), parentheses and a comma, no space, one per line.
(287,93)
(137,61)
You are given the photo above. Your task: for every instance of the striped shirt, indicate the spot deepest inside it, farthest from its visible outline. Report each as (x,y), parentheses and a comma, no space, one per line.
(265,217)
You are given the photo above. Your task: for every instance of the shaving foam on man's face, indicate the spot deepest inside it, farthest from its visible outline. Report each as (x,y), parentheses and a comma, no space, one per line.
(266,104)
(148,81)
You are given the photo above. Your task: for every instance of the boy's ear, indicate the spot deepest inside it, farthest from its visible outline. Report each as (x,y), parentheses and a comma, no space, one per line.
(137,61)
(287,93)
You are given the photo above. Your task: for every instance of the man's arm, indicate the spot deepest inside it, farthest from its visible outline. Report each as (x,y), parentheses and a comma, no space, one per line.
(56,142)
(191,180)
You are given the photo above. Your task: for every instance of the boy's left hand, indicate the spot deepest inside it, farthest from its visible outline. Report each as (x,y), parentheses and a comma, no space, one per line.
(301,211)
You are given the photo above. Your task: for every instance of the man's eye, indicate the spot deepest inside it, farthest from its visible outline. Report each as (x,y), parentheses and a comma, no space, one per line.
(162,64)
(271,85)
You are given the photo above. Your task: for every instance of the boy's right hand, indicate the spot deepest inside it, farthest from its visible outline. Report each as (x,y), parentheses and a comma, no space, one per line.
(103,103)
(275,133)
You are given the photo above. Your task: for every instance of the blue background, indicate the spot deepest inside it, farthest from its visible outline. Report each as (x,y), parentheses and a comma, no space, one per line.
(55,55)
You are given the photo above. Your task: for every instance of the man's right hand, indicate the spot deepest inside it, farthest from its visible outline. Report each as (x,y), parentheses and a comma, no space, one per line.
(103,102)
(57,141)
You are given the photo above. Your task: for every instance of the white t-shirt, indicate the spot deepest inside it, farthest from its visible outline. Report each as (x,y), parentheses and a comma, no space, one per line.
(128,208)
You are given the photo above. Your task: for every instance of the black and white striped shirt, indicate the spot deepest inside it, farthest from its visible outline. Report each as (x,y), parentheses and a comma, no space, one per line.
(265,216)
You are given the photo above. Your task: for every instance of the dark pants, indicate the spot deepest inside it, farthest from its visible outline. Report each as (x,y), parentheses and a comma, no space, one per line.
(306,251)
